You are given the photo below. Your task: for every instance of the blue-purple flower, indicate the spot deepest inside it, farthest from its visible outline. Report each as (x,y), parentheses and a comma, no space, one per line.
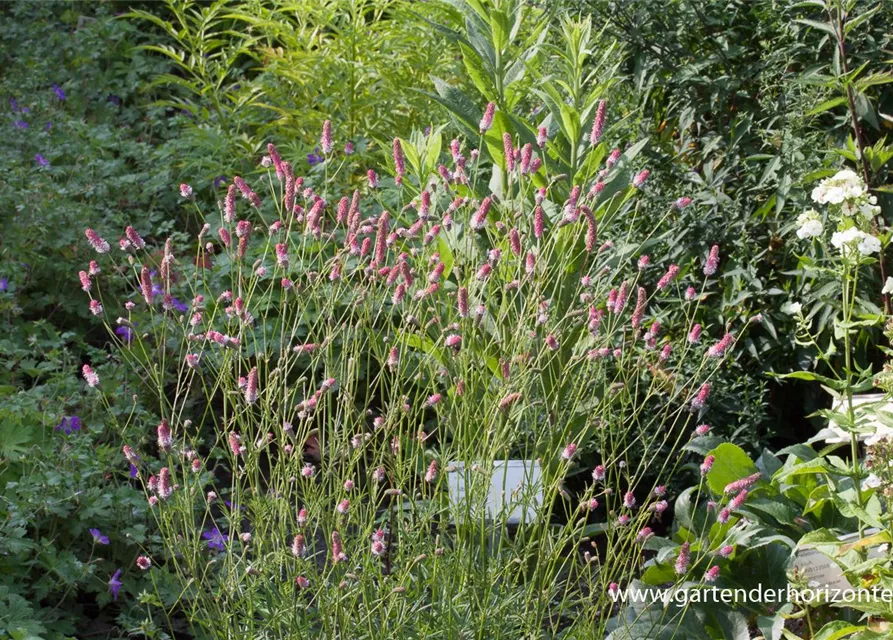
(215,539)
(314,158)
(125,333)
(115,585)
(98,538)
(21,124)
(219,181)
(4,284)
(43,162)
(58,91)
(69,425)
(134,472)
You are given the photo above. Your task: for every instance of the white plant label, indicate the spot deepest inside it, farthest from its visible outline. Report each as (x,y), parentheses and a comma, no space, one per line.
(515,490)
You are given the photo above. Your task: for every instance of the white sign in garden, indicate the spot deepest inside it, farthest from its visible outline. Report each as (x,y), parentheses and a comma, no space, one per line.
(514,490)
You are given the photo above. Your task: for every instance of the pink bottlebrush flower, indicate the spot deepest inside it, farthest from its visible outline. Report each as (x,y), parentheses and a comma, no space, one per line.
(694,336)
(591,231)
(93,269)
(526,157)
(598,474)
(378,475)
(282,255)
(736,502)
(690,294)
(399,161)
(702,430)
(302,517)
(640,178)
(377,548)
(726,551)
(165,439)
(144,563)
(192,360)
(246,191)
(613,159)
(535,165)
(700,400)
(338,554)
(286,284)
(229,204)
(455,150)
(431,474)
(660,507)
(724,516)
(129,455)
(165,489)
(86,285)
(302,582)
(598,123)
(462,300)
(436,273)
(90,376)
(243,229)
(542,136)
(487,120)
(484,272)
(595,319)
(530,264)
(135,239)
(622,296)
(509,400)
(276,159)
(629,500)
(298,546)
(569,451)
(349,485)
(720,348)
(433,400)
(665,352)
(515,241)
(612,300)
(343,507)
(740,485)
(399,294)
(328,384)
(493,256)
(682,202)
(325,140)
(342,211)
(453,341)
(644,534)
(479,219)
(425,205)
(712,574)
(381,239)
(623,520)
(98,244)
(538,222)
(641,303)
(235,444)
(509,152)
(251,386)
(643,263)
(683,559)
(552,342)
(95,308)
(224,237)
(707,464)
(668,277)
(185,191)
(393,359)
(712,261)
(196,465)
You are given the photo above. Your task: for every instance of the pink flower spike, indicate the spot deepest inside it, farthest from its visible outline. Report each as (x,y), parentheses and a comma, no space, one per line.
(598,124)
(487,120)
(90,376)
(98,244)
(712,261)
(325,141)
(683,559)
(569,451)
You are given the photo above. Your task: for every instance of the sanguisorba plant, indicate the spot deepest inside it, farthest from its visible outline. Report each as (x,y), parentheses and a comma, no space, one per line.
(324,361)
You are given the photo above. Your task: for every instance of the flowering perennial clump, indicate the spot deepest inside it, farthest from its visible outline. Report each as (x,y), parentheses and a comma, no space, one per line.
(344,354)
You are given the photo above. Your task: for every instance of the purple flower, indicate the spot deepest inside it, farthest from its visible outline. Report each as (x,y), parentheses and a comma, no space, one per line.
(14,105)
(179,306)
(69,425)
(58,91)
(219,181)
(115,585)
(314,158)
(215,539)
(48,126)
(125,333)
(98,538)
(4,283)
(21,124)
(134,472)
(43,162)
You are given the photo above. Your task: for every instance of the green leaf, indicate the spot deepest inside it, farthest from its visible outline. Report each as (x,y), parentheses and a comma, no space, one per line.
(837,630)
(826,105)
(731,464)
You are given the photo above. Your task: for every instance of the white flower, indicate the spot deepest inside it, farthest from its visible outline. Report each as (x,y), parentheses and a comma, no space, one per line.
(871,482)
(810,225)
(888,286)
(869,244)
(844,185)
(792,308)
(853,237)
